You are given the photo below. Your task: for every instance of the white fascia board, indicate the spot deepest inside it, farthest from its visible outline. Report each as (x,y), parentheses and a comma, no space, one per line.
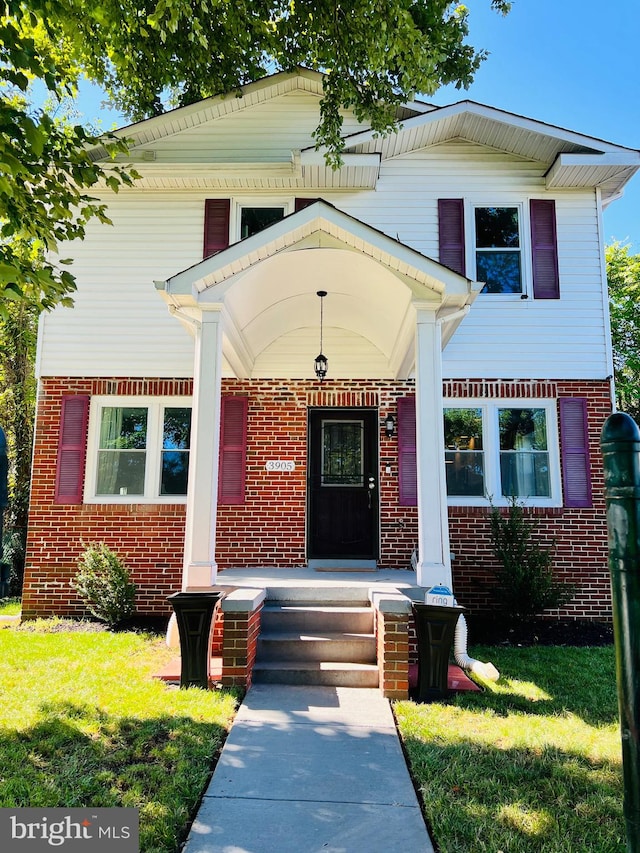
(313,157)
(154,169)
(497,115)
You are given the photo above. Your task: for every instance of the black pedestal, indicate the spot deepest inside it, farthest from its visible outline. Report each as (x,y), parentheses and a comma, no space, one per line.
(194,612)
(435,629)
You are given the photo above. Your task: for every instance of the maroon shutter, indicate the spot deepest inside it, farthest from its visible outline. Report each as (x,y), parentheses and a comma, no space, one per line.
(233,450)
(544,247)
(216,225)
(407,465)
(574,439)
(451,233)
(72,445)
(301,203)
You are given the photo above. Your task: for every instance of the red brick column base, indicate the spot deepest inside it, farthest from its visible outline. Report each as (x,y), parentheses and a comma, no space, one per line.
(393,611)
(241,626)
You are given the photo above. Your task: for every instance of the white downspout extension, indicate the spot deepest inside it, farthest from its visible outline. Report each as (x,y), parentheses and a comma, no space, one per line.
(487,670)
(484,670)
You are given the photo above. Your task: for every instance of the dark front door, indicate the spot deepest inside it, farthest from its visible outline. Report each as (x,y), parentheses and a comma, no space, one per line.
(343,484)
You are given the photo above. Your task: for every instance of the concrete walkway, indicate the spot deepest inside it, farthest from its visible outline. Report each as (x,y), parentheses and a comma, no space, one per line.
(310,770)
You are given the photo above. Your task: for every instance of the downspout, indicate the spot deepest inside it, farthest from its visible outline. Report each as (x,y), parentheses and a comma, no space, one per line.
(600,205)
(460,654)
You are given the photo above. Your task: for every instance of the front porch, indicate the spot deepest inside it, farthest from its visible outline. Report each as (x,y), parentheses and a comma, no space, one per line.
(316,627)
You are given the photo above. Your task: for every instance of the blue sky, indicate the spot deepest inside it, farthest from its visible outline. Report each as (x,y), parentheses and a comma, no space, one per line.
(571,63)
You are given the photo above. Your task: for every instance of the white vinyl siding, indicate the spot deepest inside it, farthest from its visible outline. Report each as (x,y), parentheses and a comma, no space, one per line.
(120,325)
(278,126)
(546,339)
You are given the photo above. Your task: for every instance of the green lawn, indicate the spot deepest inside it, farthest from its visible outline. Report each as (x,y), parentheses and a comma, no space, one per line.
(9,606)
(82,722)
(532,765)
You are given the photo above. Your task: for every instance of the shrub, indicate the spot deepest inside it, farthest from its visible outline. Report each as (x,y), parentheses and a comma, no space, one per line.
(525,585)
(104,584)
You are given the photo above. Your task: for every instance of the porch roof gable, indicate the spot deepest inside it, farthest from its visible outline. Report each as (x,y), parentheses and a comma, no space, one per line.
(267,285)
(317,226)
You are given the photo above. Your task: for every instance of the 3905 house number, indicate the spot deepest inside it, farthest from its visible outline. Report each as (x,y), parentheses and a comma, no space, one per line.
(280,465)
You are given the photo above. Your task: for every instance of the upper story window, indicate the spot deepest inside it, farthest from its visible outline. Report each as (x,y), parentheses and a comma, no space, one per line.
(513,248)
(498,249)
(254,219)
(138,449)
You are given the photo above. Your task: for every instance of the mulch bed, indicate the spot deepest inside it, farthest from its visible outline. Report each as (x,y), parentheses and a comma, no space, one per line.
(497,631)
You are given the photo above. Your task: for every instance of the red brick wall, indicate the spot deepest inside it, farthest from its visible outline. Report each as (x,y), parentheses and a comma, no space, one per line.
(393,653)
(580,534)
(149,537)
(240,646)
(269,529)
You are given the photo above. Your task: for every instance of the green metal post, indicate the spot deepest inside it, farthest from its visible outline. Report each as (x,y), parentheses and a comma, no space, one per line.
(620,442)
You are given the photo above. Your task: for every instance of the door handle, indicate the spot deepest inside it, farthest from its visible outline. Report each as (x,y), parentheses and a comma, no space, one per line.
(372,485)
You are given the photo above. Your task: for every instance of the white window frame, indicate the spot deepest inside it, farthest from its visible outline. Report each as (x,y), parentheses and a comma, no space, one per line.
(237,205)
(526,269)
(153,468)
(491,450)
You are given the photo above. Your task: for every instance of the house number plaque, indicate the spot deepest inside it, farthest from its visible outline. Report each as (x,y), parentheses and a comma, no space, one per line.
(280,465)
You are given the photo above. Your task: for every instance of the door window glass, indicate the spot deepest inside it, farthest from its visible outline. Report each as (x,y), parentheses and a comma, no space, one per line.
(342,456)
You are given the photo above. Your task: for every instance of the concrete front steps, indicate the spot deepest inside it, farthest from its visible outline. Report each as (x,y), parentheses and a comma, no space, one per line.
(326,638)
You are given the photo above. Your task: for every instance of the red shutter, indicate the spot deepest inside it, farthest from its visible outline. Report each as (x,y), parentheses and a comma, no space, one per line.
(304,202)
(544,247)
(72,446)
(574,439)
(407,465)
(451,233)
(233,450)
(216,225)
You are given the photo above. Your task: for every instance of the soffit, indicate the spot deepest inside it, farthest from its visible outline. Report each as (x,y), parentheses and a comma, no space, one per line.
(573,159)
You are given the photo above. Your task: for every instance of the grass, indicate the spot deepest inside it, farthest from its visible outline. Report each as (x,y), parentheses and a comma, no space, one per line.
(532,765)
(83,723)
(9,606)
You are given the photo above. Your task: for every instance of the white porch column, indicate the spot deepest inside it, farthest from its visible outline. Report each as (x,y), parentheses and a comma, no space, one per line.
(200,568)
(434,560)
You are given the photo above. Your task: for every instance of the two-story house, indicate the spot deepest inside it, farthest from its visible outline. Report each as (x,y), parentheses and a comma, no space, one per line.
(181,418)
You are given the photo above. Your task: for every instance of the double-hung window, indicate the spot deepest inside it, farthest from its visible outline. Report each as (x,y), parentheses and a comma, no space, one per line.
(501,450)
(511,247)
(498,249)
(138,449)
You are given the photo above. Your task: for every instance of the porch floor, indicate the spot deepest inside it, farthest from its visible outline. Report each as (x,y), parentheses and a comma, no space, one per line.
(313,582)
